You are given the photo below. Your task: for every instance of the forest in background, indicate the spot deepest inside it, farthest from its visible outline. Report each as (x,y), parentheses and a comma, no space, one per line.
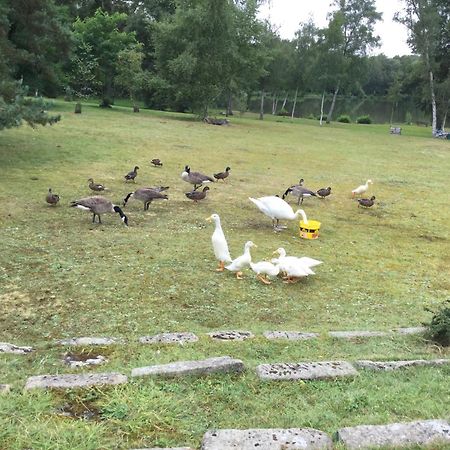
(198,55)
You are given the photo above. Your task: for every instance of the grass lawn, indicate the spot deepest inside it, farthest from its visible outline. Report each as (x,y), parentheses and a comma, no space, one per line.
(62,276)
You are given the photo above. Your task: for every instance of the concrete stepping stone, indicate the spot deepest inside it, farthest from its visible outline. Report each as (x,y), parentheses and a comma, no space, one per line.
(73,362)
(290,335)
(169,338)
(395,435)
(357,334)
(306,371)
(221,364)
(164,448)
(5,347)
(266,439)
(394,365)
(67,381)
(90,341)
(5,388)
(411,330)
(231,335)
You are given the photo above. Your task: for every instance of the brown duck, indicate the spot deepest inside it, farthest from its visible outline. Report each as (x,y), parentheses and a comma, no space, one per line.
(96,186)
(51,199)
(197,195)
(366,202)
(156,162)
(324,192)
(222,175)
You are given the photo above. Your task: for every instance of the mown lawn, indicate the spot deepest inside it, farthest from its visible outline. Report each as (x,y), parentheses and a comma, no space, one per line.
(61,276)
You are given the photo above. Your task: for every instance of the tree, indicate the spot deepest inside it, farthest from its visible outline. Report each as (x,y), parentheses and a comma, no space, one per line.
(348,37)
(103,34)
(429,36)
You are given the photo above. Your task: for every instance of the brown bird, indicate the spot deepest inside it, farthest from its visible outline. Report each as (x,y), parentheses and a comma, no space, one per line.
(96,186)
(147,195)
(99,205)
(51,198)
(131,175)
(197,195)
(156,162)
(366,202)
(324,192)
(222,175)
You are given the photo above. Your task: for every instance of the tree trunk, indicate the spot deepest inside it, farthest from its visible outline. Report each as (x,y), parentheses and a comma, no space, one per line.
(261,109)
(284,101)
(274,105)
(108,93)
(77,108)
(333,102)
(295,103)
(433,105)
(321,108)
(229,111)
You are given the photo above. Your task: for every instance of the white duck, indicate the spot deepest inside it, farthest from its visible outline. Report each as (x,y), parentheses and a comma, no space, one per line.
(241,261)
(264,269)
(293,267)
(276,208)
(361,189)
(219,243)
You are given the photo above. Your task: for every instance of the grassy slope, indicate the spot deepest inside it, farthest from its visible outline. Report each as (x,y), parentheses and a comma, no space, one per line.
(62,276)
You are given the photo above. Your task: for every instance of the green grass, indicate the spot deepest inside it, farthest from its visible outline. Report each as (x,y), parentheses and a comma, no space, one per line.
(62,276)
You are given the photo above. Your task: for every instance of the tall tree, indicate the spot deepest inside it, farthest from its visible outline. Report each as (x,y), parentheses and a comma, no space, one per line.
(350,34)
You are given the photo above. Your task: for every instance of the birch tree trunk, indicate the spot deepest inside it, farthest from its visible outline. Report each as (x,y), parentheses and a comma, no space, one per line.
(321,109)
(261,109)
(274,104)
(284,101)
(333,102)
(433,104)
(295,103)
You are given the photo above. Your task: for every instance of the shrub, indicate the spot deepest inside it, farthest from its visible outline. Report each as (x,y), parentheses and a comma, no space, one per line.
(283,112)
(364,119)
(344,118)
(438,330)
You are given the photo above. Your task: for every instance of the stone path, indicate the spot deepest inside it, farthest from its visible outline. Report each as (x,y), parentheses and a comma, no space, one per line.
(231,335)
(5,347)
(395,435)
(290,335)
(356,334)
(169,338)
(90,341)
(266,439)
(394,365)
(74,381)
(221,364)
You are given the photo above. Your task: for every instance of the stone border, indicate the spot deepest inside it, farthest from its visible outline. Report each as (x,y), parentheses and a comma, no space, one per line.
(90,341)
(395,365)
(169,338)
(6,347)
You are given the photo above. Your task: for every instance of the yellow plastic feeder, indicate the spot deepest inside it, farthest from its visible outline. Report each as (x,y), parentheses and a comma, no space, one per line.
(309,230)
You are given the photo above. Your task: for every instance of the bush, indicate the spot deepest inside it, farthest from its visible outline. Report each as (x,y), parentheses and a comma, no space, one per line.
(438,330)
(344,118)
(364,119)
(283,112)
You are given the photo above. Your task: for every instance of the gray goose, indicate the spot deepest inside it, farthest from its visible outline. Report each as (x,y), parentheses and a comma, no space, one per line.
(132,174)
(51,199)
(96,186)
(366,202)
(222,175)
(147,195)
(98,205)
(195,178)
(299,191)
(197,195)
(324,192)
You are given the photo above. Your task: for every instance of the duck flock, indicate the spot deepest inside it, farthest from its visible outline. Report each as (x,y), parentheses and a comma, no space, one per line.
(289,268)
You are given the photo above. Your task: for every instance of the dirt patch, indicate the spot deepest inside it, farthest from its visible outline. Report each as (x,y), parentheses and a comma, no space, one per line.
(18,302)
(79,410)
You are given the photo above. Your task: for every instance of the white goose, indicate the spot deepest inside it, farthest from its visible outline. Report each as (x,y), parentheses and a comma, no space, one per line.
(219,243)
(293,267)
(264,269)
(361,189)
(276,208)
(241,261)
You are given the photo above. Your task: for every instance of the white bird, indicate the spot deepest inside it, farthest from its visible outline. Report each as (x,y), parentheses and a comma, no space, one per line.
(241,262)
(362,189)
(219,243)
(276,208)
(293,267)
(264,269)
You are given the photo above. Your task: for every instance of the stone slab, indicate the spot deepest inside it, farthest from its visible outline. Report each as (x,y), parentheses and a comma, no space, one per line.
(169,338)
(89,341)
(306,371)
(357,334)
(164,448)
(68,381)
(186,368)
(394,365)
(266,439)
(5,347)
(87,362)
(411,330)
(290,335)
(231,335)
(5,388)
(395,435)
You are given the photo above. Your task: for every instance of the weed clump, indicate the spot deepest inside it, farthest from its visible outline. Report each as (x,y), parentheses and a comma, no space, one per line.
(438,330)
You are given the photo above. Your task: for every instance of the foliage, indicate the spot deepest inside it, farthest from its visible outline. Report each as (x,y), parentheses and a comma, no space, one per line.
(364,119)
(344,118)
(130,75)
(438,329)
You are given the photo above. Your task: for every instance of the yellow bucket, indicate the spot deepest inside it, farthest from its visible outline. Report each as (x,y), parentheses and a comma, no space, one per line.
(309,230)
